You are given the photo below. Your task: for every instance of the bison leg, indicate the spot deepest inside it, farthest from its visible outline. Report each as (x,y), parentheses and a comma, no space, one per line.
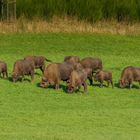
(57,83)
(32,76)
(90,80)
(85,87)
(42,68)
(3,74)
(6,74)
(112,83)
(130,84)
(57,86)
(101,84)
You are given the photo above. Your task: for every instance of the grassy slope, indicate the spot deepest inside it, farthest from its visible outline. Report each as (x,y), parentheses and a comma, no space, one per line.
(29,112)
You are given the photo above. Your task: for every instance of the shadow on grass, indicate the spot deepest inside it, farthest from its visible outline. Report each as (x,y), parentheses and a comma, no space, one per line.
(133,86)
(19,80)
(99,85)
(63,87)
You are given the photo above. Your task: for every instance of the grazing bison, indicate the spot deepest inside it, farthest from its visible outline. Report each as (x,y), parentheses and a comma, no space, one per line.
(3,69)
(57,71)
(92,63)
(51,76)
(72,59)
(39,61)
(21,68)
(102,76)
(129,74)
(77,79)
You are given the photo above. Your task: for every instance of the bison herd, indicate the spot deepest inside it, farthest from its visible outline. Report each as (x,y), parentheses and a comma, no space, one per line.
(72,70)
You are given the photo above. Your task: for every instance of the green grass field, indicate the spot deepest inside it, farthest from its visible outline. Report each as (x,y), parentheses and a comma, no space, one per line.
(28,112)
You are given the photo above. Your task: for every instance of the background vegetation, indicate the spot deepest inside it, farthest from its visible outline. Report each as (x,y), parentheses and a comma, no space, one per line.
(91,10)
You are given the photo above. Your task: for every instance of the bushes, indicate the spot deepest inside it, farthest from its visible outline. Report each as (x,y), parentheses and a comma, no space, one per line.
(91,10)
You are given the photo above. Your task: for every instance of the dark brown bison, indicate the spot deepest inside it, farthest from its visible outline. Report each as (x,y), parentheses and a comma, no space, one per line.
(21,68)
(57,71)
(3,69)
(77,79)
(129,74)
(92,63)
(72,59)
(102,76)
(39,61)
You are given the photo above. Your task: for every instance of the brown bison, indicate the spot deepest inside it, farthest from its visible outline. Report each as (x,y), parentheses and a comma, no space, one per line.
(51,76)
(77,79)
(57,71)
(39,61)
(3,69)
(21,68)
(102,76)
(72,59)
(129,74)
(92,63)
(89,73)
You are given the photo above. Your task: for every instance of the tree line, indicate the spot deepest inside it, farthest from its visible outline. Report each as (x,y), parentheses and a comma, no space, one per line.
(90,10)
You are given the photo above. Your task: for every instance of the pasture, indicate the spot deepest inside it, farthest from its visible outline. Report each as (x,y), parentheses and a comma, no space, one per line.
(28,112)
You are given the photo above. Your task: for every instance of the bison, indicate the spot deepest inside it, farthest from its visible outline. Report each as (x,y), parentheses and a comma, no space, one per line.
(128,75)
(3,69)
(57,71)
(51,76)
(72,59)
(39,61)
(92,63)
(21,68)
(102,76)
(77,79)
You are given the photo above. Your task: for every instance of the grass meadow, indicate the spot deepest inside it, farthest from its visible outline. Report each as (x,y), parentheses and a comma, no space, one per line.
(28,112)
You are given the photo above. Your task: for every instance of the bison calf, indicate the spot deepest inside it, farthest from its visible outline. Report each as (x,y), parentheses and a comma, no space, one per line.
(21,68)
(129,74)
(102,76)
(77,79)
(3,69)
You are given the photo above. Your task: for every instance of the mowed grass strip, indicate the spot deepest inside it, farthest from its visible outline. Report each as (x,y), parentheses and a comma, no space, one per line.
(33,113)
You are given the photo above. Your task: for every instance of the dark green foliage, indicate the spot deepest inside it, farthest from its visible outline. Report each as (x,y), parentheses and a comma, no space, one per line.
(91,10)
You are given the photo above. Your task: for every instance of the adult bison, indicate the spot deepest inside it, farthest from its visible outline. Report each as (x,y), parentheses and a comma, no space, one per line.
(72,59)
(21,68)
(128,75)
(3,69)
(77,79)
(57,71)
(92,63)
(39,61)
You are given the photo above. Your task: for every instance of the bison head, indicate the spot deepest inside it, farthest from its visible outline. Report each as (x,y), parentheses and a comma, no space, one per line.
(44,82)
(15,77)
(70,89)
(122,83)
